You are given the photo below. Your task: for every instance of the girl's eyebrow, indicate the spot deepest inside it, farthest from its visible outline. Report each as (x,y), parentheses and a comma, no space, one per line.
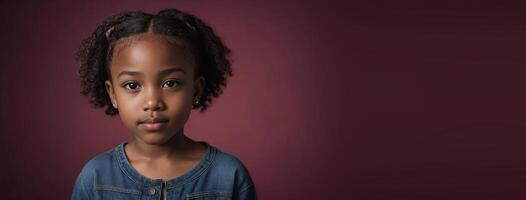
(163,72)
(130,73)
(170,70)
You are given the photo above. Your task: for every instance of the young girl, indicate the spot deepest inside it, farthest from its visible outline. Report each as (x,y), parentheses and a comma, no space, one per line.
(152,70)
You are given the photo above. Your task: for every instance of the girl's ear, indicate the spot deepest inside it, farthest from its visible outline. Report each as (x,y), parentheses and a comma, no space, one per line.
(111,92)
(199,86)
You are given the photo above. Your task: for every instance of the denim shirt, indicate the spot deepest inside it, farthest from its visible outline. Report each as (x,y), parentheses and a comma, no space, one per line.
(218,175)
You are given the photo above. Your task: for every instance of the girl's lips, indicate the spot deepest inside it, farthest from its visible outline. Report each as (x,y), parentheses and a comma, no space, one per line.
(156,126)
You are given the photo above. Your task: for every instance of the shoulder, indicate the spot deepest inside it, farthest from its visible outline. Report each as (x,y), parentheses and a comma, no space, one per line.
(87,176)
(226,160)
(99,163)
(226,164)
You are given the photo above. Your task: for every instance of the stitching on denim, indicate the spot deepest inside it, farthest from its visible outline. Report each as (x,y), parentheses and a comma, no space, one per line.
(120,159)
(117,189)
(213,153)
(128,175)
(208,194)
(245,188)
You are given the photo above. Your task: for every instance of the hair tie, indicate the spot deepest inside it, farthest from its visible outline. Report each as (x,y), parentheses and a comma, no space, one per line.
(108,32)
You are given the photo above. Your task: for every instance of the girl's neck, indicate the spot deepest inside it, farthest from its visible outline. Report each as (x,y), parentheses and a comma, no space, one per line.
(173,148)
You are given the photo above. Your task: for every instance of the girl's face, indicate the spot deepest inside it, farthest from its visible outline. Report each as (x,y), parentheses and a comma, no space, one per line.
(153,86)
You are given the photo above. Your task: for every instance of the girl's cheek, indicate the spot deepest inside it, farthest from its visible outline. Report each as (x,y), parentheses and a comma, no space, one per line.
(175,99)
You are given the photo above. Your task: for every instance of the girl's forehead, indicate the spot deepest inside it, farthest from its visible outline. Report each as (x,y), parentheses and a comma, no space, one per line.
(149,37)
(150,46)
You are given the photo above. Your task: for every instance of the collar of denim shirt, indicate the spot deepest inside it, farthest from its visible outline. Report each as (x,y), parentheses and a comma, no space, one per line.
(194,173)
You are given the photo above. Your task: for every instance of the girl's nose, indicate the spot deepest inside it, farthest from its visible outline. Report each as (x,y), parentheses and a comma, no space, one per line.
(152,106)
(153,101)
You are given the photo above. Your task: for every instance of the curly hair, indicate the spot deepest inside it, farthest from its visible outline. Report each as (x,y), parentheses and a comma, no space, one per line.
(211,56)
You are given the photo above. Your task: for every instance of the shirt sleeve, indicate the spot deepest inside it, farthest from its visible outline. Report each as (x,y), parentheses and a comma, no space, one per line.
(82,190)
(246,189)
(247,193)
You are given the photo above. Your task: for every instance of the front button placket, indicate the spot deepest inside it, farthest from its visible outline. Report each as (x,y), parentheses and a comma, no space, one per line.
(163,191)
(156,191)
(151,191)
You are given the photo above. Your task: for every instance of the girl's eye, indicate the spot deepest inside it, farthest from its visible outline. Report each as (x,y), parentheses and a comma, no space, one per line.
(131,86)
(170,84)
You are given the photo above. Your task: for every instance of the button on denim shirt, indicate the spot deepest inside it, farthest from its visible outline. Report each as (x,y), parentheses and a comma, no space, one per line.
(218,175)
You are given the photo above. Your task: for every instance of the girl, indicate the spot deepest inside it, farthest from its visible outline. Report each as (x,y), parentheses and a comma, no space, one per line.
(152,70)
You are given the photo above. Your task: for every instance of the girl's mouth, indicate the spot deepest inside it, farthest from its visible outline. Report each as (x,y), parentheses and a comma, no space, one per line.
(152,124)
(155,126)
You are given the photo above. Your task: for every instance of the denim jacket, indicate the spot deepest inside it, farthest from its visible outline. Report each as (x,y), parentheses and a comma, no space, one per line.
(110,175)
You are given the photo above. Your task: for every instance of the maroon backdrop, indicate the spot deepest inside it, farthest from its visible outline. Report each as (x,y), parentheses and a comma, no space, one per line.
(330,100)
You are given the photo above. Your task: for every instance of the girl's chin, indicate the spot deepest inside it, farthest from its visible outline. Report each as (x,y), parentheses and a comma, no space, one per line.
(155,138)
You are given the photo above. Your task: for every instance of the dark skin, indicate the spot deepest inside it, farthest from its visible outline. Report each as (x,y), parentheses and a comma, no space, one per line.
(153,86)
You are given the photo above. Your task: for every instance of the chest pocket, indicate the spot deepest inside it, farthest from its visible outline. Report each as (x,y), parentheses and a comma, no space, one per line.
(116,193)
(209,195)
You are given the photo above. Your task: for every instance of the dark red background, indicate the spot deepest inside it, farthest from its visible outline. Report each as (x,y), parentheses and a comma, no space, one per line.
(330,100)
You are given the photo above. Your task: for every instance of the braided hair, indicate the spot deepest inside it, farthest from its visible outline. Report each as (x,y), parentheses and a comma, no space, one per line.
(211,56)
